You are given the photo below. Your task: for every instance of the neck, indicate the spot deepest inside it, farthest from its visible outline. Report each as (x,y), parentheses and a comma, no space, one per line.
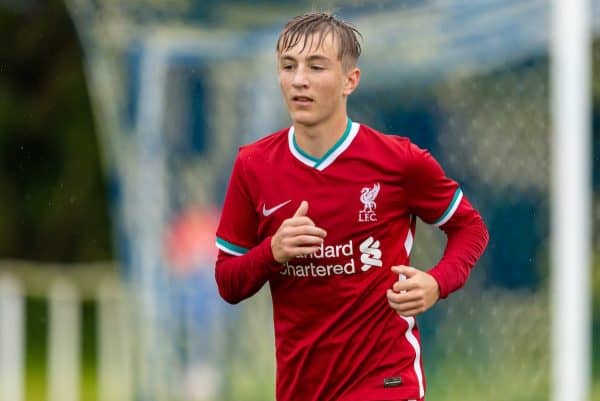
(316,140)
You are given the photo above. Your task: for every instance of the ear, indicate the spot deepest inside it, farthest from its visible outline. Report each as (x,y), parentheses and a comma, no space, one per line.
(352,80)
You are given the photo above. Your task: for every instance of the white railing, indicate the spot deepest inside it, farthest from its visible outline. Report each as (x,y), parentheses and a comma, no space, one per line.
(11,339)
(65,289)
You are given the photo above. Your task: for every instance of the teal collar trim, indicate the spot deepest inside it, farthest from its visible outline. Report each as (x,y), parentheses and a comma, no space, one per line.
(321,163)
(303,153)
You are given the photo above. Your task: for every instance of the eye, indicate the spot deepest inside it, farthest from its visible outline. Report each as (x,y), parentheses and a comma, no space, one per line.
(317,67)
(287,67)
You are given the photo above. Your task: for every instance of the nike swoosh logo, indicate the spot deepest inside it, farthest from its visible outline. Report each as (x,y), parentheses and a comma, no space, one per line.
(268,212)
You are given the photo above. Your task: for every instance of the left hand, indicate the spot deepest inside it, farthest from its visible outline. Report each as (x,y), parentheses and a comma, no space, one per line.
(414,295)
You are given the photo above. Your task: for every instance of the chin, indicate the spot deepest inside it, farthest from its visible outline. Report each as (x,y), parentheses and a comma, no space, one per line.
(304,118)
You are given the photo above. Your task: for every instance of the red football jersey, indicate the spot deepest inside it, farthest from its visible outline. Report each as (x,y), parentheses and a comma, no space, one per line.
(337,339)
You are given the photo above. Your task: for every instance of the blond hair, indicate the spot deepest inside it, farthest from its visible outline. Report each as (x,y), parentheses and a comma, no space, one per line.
(317,26)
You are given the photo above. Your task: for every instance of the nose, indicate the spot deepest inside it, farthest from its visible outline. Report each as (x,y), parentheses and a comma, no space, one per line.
(300,78)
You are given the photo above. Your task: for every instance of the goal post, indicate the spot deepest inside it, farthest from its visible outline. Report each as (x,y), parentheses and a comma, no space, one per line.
(571,217)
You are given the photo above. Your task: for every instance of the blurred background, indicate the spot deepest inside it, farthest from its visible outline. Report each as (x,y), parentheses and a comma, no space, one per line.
(119,123)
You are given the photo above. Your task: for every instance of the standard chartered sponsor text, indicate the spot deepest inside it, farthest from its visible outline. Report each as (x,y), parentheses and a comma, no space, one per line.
(326,269)
(312,270)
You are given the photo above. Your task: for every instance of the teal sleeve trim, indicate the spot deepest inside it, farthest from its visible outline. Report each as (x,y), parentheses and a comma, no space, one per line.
(230,248)
(451,208)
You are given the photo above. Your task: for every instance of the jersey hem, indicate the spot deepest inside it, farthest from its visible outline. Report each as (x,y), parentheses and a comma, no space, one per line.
(404,393)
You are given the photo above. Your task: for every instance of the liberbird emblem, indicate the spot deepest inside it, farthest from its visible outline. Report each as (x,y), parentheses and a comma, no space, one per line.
(367,197)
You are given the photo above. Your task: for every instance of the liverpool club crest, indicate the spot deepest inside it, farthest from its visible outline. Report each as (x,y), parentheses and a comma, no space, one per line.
(367,197)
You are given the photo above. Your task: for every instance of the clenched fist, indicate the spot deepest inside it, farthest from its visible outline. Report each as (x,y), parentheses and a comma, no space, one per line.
(414,293)
(296,236)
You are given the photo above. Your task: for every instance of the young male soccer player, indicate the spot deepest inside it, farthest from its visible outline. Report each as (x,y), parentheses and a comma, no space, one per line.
(324,211)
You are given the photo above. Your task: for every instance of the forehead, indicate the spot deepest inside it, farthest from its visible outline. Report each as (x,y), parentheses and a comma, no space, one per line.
(325,44)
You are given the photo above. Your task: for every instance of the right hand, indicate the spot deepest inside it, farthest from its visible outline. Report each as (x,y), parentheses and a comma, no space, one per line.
(296,236)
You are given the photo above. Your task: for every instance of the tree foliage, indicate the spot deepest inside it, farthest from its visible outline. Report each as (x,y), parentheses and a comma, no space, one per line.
(52,196)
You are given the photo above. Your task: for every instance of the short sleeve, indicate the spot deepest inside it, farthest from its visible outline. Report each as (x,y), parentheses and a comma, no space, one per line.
(237,230)
(431,195)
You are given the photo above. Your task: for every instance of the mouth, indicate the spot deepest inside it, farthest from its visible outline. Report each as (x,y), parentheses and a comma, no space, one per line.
(302,100)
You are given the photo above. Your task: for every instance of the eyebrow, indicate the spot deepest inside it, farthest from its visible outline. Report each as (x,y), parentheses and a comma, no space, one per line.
(314,57)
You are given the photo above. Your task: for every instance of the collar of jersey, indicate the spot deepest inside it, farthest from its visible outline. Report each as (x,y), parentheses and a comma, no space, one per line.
(329,156)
